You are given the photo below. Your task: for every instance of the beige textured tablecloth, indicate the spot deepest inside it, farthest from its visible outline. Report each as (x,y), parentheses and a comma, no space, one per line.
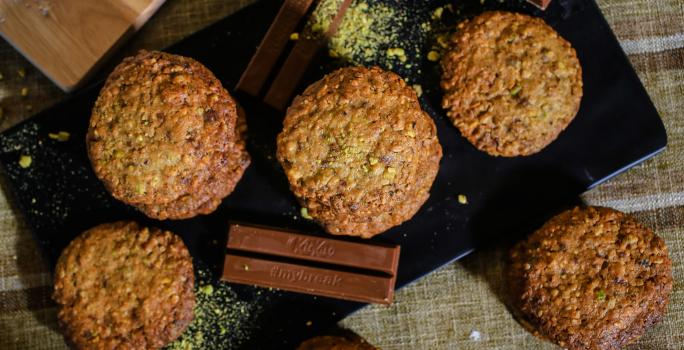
(443,310)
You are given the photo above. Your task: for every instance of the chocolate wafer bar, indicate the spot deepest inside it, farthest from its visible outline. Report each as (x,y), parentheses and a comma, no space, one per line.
(270,257)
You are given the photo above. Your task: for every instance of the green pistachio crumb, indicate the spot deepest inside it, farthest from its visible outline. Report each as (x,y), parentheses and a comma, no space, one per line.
(601,295)
(516,90)
(305,213)
(462,199)
(25,161)
(207,289)
(61,136)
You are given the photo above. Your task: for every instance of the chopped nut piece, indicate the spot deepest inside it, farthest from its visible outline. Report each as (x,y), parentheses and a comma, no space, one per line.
(304,212)
(433,56)
(443,41)
(294,36)
(462,199)
(418,89)
(437,13)
(24,91)
(600,295)
(60,136)
(516,90)
(25,161)
(397,52)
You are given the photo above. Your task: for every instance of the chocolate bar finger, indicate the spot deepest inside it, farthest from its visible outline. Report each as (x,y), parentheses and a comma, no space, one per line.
(273,44)
(263,240)
(309,280)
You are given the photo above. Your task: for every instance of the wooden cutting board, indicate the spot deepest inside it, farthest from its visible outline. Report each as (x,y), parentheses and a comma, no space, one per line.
(66,39)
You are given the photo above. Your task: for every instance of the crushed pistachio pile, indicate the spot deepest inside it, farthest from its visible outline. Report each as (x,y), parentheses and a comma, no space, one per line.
(388,33)
(367,33)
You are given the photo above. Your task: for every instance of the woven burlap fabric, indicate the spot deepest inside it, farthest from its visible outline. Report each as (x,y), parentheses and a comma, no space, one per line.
(442,310)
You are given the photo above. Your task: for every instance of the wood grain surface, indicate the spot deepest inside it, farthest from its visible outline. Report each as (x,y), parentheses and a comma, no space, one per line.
(66,39)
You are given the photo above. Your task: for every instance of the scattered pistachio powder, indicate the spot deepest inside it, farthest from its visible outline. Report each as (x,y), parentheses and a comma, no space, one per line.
(388,33)
(222,320)
(365,33)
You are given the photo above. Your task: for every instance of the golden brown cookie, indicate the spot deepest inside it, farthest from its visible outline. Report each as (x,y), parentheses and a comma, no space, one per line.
(123,286)
(162,136)
(511,84)
(359,152)
(203,201)
(336,343)
(591,278)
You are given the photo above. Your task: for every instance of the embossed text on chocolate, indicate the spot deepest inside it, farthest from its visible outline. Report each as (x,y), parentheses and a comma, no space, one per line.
(297,275)
(311,246)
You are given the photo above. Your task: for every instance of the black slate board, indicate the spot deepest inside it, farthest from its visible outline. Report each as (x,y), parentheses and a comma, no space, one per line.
(616,128)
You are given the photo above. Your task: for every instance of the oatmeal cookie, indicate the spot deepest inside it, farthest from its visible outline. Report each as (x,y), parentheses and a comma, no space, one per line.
(511,84)
(590,278)
(359,152)
(163,130)
(123,286)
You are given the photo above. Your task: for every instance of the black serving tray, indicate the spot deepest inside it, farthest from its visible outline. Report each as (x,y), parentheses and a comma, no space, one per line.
(616,128)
